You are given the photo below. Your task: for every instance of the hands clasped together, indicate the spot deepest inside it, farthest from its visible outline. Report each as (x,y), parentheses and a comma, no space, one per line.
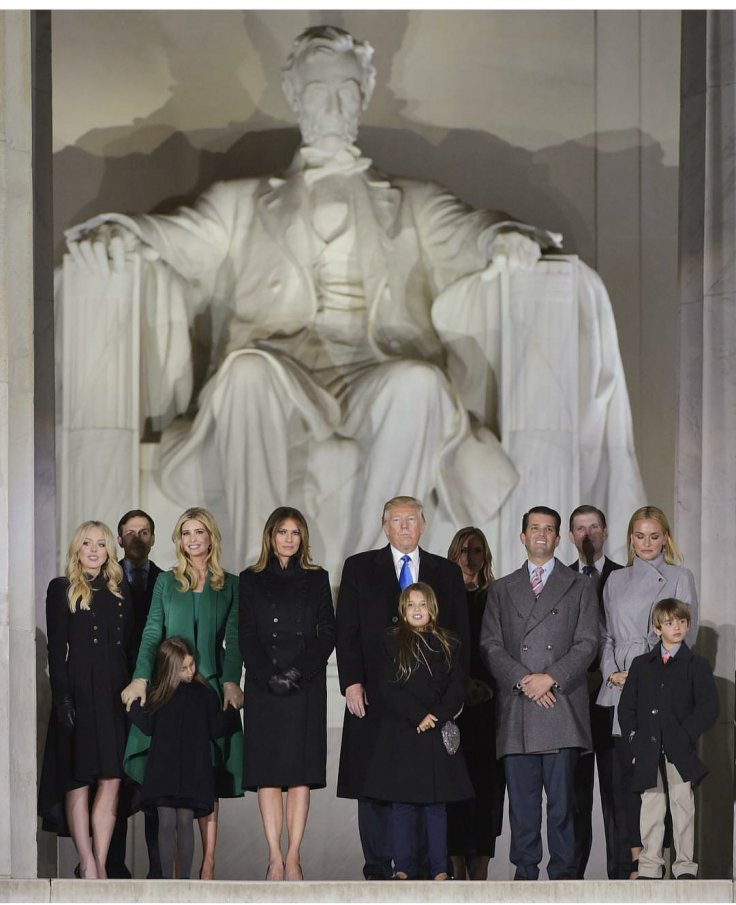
(537,686)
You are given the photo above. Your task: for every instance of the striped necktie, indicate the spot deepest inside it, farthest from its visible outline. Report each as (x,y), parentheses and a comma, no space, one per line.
(537,581)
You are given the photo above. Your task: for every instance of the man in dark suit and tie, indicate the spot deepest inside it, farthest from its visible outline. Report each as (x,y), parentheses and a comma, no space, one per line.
(588,532)
(539,635)
(136,535)
(367,605)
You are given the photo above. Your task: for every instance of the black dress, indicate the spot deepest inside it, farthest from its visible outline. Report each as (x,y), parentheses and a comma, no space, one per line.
(179,772)
(472,826)
(90,660)
(410,766)
(286,619)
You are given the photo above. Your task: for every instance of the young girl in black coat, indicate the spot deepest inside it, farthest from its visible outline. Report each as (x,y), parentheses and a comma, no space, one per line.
(422,686)
(181,715)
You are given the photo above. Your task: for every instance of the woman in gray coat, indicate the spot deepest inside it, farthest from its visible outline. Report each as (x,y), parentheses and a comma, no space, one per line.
(654,573)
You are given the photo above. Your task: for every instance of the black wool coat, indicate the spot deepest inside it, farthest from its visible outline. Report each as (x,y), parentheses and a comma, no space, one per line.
(411,766)
(667,706)
(367,605)
(179,770)
(90,661)
(286,619)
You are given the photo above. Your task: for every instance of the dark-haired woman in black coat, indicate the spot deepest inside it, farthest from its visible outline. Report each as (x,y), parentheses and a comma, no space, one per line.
(287,633)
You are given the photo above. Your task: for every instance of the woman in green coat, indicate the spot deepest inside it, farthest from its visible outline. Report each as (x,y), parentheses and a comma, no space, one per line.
(198,601)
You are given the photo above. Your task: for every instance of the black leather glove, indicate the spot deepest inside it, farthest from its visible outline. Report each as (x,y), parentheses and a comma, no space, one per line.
(65,712)
(286,682)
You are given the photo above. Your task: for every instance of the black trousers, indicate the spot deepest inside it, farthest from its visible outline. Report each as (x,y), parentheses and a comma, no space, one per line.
(604,757)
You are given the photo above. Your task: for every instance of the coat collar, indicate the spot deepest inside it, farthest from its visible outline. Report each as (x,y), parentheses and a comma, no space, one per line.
(684,653)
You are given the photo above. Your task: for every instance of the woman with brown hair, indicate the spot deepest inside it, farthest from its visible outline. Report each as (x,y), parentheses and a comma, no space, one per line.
(198,601)
(287,633)
(474,825)
(89,620)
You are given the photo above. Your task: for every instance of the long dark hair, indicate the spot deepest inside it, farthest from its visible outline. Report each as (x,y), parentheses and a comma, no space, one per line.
(170,658)
(273,523)
(410,640)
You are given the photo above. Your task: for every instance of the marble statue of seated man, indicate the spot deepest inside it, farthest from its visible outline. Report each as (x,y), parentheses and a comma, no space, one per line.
(329,364)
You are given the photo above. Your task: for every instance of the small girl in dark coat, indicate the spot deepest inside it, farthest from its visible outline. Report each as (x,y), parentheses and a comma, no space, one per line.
(669,700)
(422,685)
(182,714)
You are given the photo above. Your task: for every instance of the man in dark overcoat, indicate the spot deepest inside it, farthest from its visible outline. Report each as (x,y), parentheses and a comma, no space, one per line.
(589,532)
(367,605)
(136,535)
(539,635)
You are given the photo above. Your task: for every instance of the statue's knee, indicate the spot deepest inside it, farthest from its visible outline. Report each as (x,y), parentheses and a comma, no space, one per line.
(421,379)
(250,370)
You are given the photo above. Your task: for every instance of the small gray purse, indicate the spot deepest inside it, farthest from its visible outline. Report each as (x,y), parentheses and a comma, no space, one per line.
(450,736)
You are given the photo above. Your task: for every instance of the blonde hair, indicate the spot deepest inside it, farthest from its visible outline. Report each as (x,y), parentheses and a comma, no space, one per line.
(184,572)
(170,658)
(409,639)
(485,576)
(402,501)
(670,551)
(79,592)
(273,523)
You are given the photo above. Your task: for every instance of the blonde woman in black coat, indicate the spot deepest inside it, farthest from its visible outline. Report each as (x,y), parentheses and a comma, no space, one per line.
(89,620)
(287,633)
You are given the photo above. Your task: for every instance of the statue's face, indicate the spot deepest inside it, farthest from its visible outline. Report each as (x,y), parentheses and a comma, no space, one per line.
(329,100)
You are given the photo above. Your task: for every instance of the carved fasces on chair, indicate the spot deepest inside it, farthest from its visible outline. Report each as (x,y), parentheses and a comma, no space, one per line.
(123,355)
(535,356)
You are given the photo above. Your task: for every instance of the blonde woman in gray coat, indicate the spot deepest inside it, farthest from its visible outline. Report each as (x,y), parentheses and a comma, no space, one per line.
(653,572)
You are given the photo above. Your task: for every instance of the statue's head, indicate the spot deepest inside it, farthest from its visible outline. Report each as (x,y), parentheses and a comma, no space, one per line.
(328,80)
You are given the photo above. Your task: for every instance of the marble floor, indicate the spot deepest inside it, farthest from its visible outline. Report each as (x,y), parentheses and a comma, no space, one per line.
(490,891)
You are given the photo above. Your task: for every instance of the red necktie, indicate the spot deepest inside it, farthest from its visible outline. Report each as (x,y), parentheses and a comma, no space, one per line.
(665,657)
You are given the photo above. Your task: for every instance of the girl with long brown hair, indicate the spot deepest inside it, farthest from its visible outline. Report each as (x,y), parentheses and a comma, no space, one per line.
(414,763)
(181,716)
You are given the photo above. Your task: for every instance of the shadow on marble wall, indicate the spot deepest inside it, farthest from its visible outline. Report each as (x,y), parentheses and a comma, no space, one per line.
(552,187)
(716,795)
(46,841)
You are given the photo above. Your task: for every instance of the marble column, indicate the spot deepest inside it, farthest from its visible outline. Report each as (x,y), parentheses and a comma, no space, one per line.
(706,453)
(17,594)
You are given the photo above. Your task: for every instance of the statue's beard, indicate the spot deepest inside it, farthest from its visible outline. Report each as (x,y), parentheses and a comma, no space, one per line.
(315,129)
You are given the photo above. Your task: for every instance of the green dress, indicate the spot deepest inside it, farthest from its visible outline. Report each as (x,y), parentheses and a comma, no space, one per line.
(214,640)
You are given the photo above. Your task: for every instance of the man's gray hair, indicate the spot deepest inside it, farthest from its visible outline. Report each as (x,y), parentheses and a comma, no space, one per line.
(328,39)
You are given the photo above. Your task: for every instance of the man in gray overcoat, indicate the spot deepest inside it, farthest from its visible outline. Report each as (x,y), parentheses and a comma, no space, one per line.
(539,635)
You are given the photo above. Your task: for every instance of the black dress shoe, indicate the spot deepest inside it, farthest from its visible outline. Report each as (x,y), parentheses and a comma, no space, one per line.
(686,877)
(78,872)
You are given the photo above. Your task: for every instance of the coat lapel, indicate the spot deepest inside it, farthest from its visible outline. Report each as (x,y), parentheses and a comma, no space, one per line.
(520,593)
(282,212)
(557,585)
(387,584)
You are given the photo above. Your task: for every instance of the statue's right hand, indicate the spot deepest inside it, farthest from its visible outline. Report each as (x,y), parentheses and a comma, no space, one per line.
(135,691)
(355,699)
(102,248)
